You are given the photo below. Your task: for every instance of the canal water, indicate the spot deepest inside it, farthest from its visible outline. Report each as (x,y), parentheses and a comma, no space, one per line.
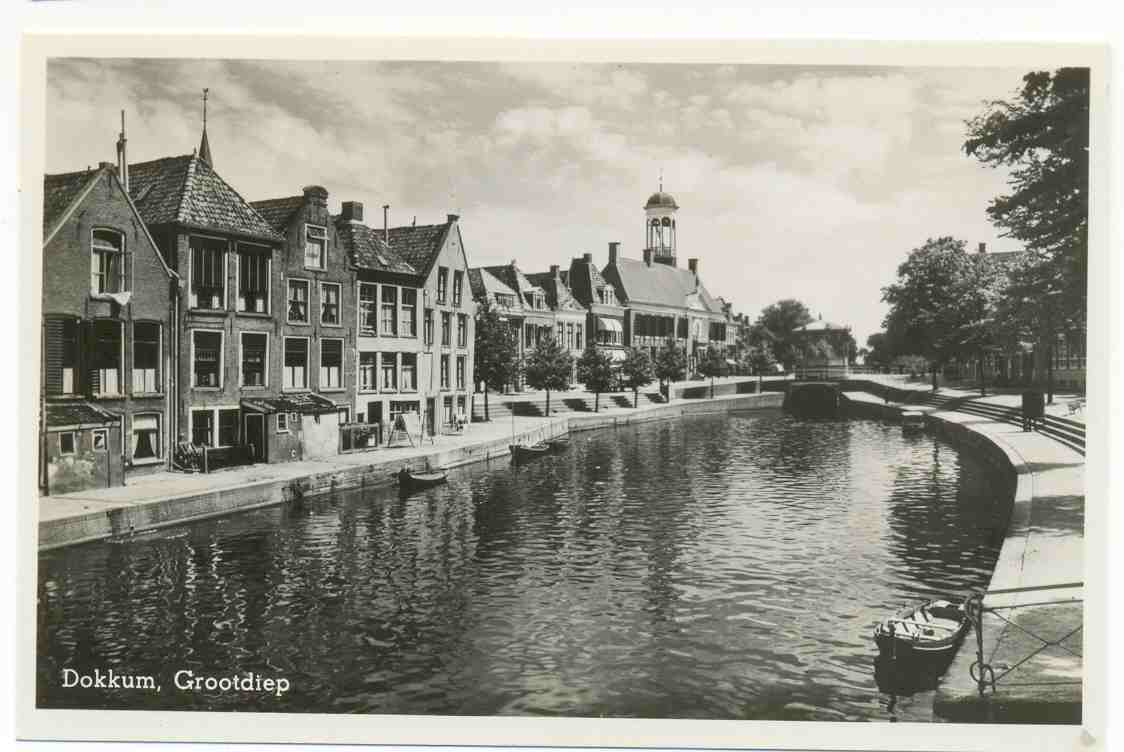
(726,566)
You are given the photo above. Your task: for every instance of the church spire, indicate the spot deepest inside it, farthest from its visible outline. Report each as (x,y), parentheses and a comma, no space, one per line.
(204,144)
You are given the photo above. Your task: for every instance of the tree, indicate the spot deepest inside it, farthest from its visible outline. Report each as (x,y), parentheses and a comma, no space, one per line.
(712,364)
(782,318)
(548,367)
(595,372)
(760,351)
(496,360)
(671,363)
(937,307)
(637,371)
(879,354)
(1043,137)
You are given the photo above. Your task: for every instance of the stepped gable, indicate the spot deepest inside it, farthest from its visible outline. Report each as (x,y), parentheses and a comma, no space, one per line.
(60,191)
(367,249)
(187,191)
(661,284)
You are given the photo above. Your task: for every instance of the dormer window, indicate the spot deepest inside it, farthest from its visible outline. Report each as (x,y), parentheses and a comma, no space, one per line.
(107,270)
(315,246)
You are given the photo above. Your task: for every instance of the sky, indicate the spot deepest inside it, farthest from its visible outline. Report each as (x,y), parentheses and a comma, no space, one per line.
(799,182)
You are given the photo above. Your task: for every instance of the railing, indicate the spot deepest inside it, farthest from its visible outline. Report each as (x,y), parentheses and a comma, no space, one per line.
(981,671)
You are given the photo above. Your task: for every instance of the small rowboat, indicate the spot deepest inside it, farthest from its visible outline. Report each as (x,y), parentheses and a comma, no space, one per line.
(559,443)
(933,629)
(409,481)
(524,452)
(913,422)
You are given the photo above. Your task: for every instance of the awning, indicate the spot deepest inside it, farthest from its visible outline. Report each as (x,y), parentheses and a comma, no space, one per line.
(298,402)
(609,325)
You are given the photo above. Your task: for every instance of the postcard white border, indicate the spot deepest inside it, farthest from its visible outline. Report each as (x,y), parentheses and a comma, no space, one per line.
(34,723)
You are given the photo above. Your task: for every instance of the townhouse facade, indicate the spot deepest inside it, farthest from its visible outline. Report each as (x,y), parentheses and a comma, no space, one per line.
(604,319)
(106,381)
(569,314)
(536,318)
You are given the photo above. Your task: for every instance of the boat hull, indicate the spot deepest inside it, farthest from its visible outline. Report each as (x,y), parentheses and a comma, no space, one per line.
(524,453)
(930,631)
(409,482)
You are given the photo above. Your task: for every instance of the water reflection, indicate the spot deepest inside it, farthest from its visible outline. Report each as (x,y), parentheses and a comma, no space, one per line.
(717,567)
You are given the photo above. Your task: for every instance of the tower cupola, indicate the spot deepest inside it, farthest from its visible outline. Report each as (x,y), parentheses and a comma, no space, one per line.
(659,225)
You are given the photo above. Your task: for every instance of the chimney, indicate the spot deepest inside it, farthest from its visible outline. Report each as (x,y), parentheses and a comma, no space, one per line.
(122,160)
(693,265)
(613,248)
(554,270)
(982,248)
(316,194)
(452,217)
(587,257)
(351,211)
(647,257)
(386,223)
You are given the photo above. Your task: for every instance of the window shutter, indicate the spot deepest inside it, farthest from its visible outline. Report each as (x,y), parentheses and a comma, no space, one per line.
(88,347)
(53,346)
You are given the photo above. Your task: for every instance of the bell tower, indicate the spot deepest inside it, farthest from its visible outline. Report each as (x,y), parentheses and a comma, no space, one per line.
(659,226)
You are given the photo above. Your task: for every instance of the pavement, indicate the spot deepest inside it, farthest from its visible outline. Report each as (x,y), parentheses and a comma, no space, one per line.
(1032,625)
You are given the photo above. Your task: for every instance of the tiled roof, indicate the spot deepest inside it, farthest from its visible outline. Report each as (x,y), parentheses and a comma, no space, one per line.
(484,284)
(514,278)
(367,250)
(418,245)
(186,190)
(661,284)
(558,295)
(77,414)
(278,211)
(307,403)
(59,192)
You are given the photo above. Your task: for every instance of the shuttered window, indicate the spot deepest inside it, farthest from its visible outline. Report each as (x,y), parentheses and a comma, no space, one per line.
(61,346)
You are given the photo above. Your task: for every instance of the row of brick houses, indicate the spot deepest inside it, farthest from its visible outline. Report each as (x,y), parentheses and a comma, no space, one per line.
(177,314)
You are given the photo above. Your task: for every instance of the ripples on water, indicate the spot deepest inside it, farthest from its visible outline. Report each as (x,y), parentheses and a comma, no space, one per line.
(716,567)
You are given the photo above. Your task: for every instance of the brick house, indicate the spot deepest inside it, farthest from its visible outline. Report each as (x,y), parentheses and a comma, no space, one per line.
(604,325)
(537,317)
(445,363)
(106,331)
(569,314)
(487,288)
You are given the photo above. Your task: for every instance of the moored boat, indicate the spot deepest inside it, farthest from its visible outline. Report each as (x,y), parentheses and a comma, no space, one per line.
(411,481)
(913,421)
(932,629)
(559,443)
(524,452)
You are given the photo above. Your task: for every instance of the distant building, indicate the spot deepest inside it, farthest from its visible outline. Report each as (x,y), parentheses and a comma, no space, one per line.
(604,322)
(536,317)
(569,314)
(821,350)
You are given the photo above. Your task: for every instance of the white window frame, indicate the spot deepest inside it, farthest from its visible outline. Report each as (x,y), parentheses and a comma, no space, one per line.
(268,298)
(307,300)
(374,330)
(242,359)
(282,418)
(157,377)
(119,372)
(120,253)
(372,387)
(214,410)
(104,434)
(323,248)
(401,367)
(193,296)
(320,371)
(159,438)
(222,358)
(339,303)
(285,367)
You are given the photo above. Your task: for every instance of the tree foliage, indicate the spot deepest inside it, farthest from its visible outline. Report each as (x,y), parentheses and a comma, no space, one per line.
(781,319)
(595,372)
(548,367)
(713,363)
(637,371)
(496,358)
(671,363)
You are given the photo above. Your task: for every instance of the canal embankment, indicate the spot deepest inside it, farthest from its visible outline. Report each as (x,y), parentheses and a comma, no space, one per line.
(1029,646)
(165,499)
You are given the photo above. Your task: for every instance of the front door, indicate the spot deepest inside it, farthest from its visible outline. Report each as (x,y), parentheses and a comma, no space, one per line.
(431,416)
(255,436)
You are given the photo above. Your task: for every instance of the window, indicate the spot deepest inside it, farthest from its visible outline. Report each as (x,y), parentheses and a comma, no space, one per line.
(208,273)
(282,422)
(329,303)
(442,285)
(298,301)
(578,337)
(368,366)
(105,360)
(253,279)
(561,332)
(331,363)
(570,336)
(146,357)
(409,372)
(505,300)
(444,371)
(100,439)
(460,371)
(528,335)
(389,310)
(389,371)
(462,403)
(344,415)
(409,312)
(458,287)
(228,427)
(67,442)
(203,427)
(428,326)
(315,245)
(255,348)
(296,363)
(446,328)
(146,436)
(447,410)
(207,359)
(61,353)
(107,268)
(368,309)
(462,330)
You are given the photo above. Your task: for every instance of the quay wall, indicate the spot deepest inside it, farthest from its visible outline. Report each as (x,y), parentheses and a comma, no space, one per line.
(176,510)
